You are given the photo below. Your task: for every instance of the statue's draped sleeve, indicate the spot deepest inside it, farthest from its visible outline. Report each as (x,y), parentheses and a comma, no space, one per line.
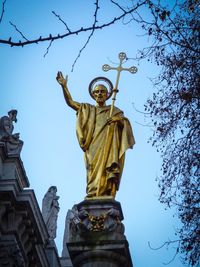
(85,125)
(127,138)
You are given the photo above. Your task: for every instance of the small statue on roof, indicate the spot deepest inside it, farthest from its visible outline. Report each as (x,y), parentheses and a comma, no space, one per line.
(12,142)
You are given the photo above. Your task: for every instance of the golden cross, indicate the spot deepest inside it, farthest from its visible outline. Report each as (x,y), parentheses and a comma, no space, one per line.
(106,67)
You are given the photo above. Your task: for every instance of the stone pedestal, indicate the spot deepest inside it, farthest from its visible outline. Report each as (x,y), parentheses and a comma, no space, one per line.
(96,235)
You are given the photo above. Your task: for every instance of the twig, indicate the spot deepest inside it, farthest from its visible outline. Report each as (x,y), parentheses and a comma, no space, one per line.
(144,113)
(172,259)
(167,243)
(19,32)
(89,37)
(3,10)
(120,7)
(47,51)
(145,125)
(60,19)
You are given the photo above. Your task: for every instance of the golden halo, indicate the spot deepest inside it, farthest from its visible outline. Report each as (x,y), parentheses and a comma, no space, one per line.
(102,79)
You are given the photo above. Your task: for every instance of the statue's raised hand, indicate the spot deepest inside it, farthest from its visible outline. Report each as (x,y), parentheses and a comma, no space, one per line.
(61,80)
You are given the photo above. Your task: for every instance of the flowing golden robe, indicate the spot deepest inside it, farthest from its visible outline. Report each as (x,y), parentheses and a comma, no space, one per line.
(104,145)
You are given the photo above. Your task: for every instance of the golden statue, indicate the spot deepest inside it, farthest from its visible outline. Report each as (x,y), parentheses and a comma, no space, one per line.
(104,137)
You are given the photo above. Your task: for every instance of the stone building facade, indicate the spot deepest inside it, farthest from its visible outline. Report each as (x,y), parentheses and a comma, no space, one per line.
(24,240)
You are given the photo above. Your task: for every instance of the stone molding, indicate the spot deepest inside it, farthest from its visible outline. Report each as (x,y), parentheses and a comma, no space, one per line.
(12,168)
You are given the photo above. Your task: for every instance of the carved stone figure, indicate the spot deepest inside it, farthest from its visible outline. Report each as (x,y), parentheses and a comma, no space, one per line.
(67,232)
(103,138)
(72,224)
(83,221)
(50,209)
(12,141)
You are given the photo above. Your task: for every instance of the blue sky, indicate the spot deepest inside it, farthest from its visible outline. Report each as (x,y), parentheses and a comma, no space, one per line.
(51,153)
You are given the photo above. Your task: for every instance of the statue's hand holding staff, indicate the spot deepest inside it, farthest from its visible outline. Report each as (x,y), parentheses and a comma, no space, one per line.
(115,119)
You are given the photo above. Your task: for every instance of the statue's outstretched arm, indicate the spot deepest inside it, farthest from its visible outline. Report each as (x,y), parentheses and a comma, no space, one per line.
(63,82)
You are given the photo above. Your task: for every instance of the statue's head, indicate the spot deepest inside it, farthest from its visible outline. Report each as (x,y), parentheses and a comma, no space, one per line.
(100,94)
(52,189)
(13,114)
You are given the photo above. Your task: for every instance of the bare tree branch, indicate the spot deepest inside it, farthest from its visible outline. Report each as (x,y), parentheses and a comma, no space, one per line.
(75,32)
(19,32)
(167,243)
(120,7)
(89,37)
(60,19)
(47,51)
(3,10)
